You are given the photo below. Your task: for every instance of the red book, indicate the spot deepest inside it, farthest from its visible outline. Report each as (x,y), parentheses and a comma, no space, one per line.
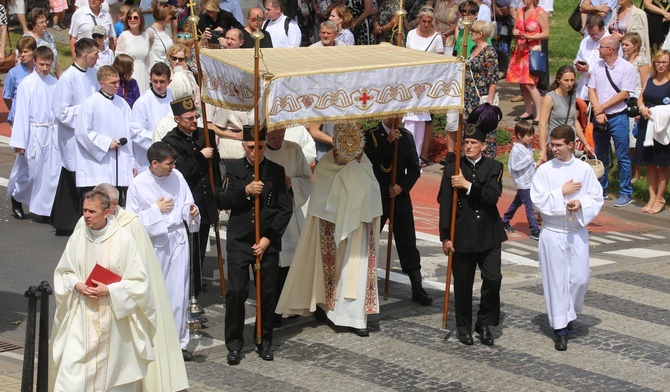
(103,275)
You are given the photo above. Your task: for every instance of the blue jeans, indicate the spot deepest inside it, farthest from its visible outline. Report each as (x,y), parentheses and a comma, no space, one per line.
(618,131)
(522,197)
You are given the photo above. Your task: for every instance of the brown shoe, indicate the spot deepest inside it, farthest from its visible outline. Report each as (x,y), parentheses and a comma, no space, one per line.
(518,98)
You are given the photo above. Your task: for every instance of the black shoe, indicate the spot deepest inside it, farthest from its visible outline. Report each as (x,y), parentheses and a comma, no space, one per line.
(561,343)
(465,339)
(276,321)
(362,332)
(421,297)
(508,227)
(17,209)
(535,235)
(320,315)
(569,327)
(266,354)
(234,357)
(187,355)
(529,117)
(485,335)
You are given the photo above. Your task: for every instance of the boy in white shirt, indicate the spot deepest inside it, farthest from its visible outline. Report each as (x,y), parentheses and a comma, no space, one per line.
(105,54)
(522,166)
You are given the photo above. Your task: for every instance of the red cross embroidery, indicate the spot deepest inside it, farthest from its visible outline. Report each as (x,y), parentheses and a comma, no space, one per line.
(364,98)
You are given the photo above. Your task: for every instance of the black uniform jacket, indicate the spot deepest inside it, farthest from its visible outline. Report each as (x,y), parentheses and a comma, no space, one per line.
(276,205)
(195,169)
(380,152)
(478,224)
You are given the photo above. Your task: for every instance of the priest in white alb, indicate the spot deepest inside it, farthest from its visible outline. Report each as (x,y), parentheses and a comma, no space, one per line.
(77,83)
(34,177)
(101,131)
(163,201)
(568,195)
(334,269)
(148,110)
(102,333)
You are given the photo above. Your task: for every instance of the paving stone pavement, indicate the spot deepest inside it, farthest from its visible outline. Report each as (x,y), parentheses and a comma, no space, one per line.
(620,343)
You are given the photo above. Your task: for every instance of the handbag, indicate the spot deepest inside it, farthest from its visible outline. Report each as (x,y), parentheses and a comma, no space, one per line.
(575,20)
(538,63)
(10,58)
(485,98)
(631,102)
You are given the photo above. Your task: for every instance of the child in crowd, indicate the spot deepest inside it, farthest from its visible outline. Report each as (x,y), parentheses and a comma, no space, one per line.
(128,87)
(522,166)
(105,54)
(118,26)
(26,45)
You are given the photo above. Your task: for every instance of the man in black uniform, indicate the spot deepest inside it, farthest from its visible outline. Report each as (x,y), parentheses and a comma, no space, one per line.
(478,236)
(192,161)
(238,195)
(379,149)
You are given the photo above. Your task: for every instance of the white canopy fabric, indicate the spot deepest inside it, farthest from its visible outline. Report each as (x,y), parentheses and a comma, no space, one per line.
(333,84)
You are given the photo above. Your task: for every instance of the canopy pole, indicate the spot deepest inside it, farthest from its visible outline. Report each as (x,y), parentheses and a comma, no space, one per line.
(394,167)
(257,36)
(467,24)
(219,254)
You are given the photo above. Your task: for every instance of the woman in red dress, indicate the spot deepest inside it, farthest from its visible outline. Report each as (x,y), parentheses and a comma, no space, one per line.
(532,26)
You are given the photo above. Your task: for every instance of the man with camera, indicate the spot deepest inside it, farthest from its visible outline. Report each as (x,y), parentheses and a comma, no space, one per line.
(612,80)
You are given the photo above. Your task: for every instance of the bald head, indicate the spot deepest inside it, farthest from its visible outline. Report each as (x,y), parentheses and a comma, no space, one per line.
(610,41)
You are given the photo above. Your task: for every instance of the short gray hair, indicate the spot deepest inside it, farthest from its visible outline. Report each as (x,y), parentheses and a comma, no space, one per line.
(329,25)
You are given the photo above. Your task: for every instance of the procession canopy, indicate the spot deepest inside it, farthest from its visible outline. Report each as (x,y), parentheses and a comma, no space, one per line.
(333,84)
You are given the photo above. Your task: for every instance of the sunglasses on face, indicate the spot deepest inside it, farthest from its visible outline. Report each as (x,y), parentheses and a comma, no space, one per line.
(98,36)
(176,59)
(134,17)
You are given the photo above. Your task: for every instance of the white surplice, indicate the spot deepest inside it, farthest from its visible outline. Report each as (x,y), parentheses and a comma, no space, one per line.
(72,89)
(564,243)
(146,113)
(168,235)
(299,134)
(101,344)
(102,119)
(335,261)
(292,159)
(34,130)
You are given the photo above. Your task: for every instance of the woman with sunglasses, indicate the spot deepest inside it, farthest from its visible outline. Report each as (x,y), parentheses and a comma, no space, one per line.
(135,42)
(186,39)
(656,157)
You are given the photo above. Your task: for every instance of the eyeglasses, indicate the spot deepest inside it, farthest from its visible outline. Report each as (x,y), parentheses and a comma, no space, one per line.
(170,164)
(175,59)
(134,17)
(192,118)
(184,35)
(662,62)
(250,148)
(605,47)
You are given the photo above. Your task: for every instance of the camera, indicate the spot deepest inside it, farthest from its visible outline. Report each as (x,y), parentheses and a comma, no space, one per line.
(632,110)
(601,128)
(215,36)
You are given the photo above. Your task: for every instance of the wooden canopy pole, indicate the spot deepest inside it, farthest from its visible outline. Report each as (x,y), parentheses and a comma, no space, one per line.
(257,36)
(208,143)
(467,24)
(394,169)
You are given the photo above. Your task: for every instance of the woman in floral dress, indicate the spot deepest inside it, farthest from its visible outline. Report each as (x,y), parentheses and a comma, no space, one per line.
(481,76)
(362,11)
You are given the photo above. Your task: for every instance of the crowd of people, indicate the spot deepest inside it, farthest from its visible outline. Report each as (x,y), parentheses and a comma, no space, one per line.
(112,152)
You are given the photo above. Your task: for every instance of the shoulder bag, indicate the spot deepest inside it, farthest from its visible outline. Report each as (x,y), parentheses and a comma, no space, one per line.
(10,57)
(631,103)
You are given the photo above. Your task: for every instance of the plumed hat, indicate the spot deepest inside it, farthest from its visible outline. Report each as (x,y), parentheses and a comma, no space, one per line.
(486,117)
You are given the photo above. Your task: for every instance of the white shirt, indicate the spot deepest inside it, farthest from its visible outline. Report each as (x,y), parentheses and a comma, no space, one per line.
(278,34)
(81,25)
(146,113)
(588,51)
